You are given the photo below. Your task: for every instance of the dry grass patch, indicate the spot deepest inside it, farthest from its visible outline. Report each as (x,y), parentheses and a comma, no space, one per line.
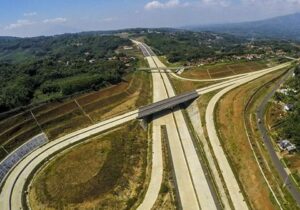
(64,124)
(223,69)
(107,172)
(55,112)
(182,86)
(107,92)
(230,113)
(274,114)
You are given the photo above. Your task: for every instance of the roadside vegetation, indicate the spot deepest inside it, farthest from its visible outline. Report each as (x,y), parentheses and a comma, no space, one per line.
(284,124)
(290,127)
(230,121)
(263,156)
(105,172)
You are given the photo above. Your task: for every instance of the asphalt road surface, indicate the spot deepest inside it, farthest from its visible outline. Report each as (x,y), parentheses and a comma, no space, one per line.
(287,180)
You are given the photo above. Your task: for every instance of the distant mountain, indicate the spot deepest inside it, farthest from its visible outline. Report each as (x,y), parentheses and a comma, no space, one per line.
(283,27)
(7,38)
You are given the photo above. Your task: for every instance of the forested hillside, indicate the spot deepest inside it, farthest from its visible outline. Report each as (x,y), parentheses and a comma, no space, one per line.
(192,46)
(46,68)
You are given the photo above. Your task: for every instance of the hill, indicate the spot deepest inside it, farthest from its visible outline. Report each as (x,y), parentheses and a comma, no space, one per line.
(39,69)
(283,27)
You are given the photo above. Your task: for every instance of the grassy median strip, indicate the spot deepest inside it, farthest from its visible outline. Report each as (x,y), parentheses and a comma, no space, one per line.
(168,195)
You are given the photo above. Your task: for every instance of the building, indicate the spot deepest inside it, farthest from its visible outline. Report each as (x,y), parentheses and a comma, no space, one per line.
(286,145)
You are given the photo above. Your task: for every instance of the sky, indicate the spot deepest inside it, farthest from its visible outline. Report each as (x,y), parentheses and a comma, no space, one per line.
(26,18)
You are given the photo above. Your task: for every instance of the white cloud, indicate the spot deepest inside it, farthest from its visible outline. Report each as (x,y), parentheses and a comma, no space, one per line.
(30,14)
(19,24)
(55,20)
(274,2)
(154,5)
(169,4)
(223,3)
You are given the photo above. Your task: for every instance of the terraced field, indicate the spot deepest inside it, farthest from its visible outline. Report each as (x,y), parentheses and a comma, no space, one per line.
(59,118)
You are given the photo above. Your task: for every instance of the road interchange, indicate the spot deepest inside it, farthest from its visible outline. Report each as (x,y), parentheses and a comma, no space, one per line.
(194,189)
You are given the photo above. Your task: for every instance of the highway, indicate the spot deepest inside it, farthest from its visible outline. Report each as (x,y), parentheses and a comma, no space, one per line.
(286,179)
(194,190)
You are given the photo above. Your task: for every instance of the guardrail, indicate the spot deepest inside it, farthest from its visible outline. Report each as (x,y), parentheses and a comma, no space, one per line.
(13,158)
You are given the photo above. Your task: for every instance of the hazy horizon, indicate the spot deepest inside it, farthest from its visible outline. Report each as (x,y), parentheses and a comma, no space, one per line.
(34,18)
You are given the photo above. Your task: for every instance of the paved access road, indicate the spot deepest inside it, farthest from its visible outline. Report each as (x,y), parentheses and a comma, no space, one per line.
(287,180)
(12,191)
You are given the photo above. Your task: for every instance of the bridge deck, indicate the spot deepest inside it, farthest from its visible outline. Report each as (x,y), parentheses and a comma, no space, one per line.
(166,104)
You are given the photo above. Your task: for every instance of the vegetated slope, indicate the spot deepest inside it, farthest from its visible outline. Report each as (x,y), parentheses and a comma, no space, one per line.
(283,27)
(187,46)
(290,128)
(44,68)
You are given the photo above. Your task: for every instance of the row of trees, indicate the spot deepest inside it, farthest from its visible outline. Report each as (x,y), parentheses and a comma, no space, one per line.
(291,125)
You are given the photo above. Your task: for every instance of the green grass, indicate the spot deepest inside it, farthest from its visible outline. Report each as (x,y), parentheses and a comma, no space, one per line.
(165,61)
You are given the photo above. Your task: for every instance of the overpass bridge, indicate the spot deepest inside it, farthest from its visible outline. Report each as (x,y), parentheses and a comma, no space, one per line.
(168,103)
